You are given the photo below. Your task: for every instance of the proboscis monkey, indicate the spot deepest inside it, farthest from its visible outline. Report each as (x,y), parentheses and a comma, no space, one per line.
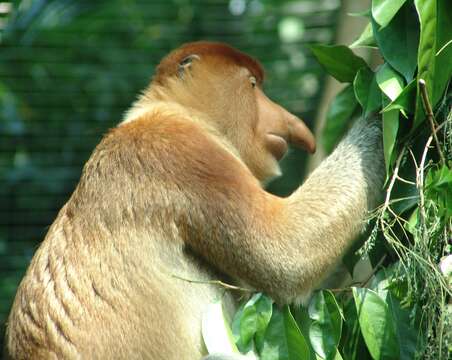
(174,193)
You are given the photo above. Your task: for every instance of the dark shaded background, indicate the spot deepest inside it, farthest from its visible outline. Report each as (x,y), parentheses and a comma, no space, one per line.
(69,69)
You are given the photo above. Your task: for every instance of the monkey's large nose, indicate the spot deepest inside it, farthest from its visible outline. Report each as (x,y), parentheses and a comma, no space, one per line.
(299,134)
(280,125)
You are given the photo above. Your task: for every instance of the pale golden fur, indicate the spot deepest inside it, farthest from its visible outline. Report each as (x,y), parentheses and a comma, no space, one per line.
(174,192)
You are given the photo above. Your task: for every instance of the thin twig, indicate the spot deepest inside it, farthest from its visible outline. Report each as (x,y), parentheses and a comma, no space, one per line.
(213,282)
(420,181)
(406,181)
(430,117)
(374,270)
(393,179)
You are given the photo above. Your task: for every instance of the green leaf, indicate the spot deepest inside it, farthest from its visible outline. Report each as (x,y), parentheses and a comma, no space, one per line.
(216,332)
(443,66)
(435,69)
(426,55)
(338,117)
(377,325)
(439,179)
(366,39)
(366,90)
(301,316)
(352,342)
(264,311)
(338,60)
(283,339)
(326,328)
(384,10)
(412,222)
(364,13)
(398,41)
(252,320)
(390,128)
(439,190)
(406,333)
(389,81)
(405,101)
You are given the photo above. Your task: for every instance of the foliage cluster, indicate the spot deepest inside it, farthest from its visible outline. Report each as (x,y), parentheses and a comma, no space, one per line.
(403,310)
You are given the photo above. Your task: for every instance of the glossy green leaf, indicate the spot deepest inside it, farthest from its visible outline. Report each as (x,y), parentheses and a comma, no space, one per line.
(439,179)
(326,327)
(405,101)
(264,309)
(389,81)
(367,91)
(352,342)
(283,339)
(443,65)
(301,316)
(434,66)
(377,325)
(407,334)
(338,117)
(252,320)
(390,128)
(398,41)
(366,39)
(426,56)
(338,60)
(384,10)
(216,331)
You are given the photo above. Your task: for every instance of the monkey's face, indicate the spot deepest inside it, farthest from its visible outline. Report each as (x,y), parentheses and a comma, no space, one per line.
(226,85)
(263,129)
(276,128)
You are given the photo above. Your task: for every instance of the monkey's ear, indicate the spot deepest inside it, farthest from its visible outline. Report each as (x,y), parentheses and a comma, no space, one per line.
(186,64)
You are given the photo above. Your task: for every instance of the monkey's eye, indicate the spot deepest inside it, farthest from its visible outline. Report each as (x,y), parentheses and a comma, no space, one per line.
(253,81)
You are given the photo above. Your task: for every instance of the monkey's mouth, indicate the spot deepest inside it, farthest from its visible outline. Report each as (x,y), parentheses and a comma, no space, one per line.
(277,145)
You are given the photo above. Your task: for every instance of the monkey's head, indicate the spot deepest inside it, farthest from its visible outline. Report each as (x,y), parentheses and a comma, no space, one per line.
(225,84)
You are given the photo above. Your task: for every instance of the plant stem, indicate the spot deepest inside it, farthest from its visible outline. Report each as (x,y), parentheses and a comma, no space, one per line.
(213,282)
(430,117)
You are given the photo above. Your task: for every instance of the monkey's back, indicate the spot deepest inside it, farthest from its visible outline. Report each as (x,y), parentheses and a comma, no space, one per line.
(108,282)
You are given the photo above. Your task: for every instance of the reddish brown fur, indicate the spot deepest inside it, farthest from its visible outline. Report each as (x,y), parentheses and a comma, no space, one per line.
(224,53)
(173,194)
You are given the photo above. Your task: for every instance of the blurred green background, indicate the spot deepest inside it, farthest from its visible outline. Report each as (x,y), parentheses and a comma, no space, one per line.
(69,69)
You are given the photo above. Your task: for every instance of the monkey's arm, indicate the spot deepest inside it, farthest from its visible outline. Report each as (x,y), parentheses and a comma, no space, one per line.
(285,246)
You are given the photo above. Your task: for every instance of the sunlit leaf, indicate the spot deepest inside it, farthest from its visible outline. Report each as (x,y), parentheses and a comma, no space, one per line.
(365,39)
(251,320)
(326,327)
(398,41)
(283,339)
(338,117)
(367,91)
(426,56)
(377,325)
(338,60)
(405,101)
(216,331)
(384,10)
(389,81)
(443,65)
